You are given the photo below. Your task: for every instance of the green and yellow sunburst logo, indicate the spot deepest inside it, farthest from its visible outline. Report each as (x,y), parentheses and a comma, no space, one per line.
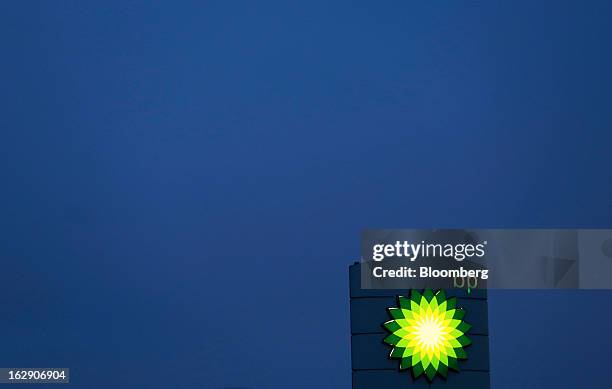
(428,333)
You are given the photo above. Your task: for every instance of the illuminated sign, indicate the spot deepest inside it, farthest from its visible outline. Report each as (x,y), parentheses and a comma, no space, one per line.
(428,333)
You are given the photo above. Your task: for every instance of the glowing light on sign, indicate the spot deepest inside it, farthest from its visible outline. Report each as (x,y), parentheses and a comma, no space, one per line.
(428,333)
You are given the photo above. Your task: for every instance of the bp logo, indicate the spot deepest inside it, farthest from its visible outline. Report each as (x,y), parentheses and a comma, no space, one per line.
(428,333)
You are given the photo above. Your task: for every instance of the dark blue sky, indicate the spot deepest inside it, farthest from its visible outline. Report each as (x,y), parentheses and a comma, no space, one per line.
(183,184)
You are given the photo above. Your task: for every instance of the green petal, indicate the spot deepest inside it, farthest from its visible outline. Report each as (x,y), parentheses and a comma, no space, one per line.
(396,313)
(428,294)
(464,340)
(392,326)
(404,302)
(464,327)
(397,352)
(406,363)
(435,362)
(451,303)
(443,359)
(459,314)
(430,372)
(461,353)
(417,370)
(425,360)
(452,364)
(442,307)
(440,296)
(443,370)
(454,323)
(402,343)
(392,339)
(416,296)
